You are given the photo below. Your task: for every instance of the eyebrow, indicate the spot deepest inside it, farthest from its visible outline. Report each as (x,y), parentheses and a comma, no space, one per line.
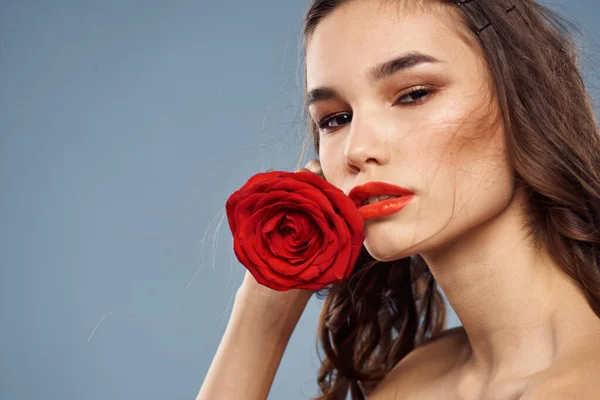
(376,73)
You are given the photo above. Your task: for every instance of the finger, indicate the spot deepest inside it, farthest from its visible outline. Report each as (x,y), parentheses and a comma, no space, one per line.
(314,166)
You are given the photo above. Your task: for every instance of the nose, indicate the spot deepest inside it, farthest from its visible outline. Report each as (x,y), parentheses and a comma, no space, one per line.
(367,143)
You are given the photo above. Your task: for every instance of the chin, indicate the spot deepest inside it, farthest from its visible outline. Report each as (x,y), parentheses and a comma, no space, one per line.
(382,252)
(389,240)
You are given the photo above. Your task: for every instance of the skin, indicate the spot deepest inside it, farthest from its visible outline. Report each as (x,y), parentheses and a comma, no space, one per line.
(527,331)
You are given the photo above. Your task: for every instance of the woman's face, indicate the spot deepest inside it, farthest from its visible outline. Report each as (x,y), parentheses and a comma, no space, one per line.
(439,141)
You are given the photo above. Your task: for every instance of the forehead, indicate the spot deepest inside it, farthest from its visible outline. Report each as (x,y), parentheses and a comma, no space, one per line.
(359,34)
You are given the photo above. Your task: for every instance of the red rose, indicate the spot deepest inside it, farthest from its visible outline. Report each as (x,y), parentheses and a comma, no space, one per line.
(294,230)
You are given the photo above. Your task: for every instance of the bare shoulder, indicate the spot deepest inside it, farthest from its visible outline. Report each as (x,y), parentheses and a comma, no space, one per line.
(425,367)
(427,371)
(576,377)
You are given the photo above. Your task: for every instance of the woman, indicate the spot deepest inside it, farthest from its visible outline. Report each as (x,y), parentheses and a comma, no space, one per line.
(479,109)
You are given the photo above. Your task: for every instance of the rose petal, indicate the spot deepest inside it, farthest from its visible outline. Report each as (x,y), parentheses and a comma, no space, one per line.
(272,222)
(324,230)
(275,265)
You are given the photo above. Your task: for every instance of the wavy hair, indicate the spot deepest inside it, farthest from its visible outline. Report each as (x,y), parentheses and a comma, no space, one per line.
(384,310)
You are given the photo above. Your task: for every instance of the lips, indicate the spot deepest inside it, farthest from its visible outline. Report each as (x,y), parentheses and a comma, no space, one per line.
(361,193)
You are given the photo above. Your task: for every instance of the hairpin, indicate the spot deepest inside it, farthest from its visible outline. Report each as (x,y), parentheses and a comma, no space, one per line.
(478,31)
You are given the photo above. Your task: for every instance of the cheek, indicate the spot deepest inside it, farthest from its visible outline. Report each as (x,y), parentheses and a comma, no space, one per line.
(332,161)
(462,170)
(485,179)
(477,181)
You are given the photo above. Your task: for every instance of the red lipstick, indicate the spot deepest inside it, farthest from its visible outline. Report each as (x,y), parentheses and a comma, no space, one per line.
(381,208)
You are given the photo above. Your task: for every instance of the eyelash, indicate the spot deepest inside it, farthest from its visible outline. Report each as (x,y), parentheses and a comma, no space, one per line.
(322,124)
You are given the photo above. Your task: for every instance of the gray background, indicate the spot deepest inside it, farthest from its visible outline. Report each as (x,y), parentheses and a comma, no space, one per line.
(124,127)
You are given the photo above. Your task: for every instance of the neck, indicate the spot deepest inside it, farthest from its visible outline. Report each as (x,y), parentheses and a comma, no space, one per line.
(518,309)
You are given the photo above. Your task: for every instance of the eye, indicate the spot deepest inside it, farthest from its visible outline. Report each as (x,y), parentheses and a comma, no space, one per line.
(419,92)
(336,121)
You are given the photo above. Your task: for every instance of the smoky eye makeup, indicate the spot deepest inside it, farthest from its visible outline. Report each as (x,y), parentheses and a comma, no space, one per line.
(410,97)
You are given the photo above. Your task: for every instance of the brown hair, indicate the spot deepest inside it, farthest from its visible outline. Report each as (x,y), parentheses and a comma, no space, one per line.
(385,309)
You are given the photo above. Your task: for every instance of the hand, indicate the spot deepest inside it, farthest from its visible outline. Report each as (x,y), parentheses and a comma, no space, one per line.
(313,165)
(260,326)
(252,291)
